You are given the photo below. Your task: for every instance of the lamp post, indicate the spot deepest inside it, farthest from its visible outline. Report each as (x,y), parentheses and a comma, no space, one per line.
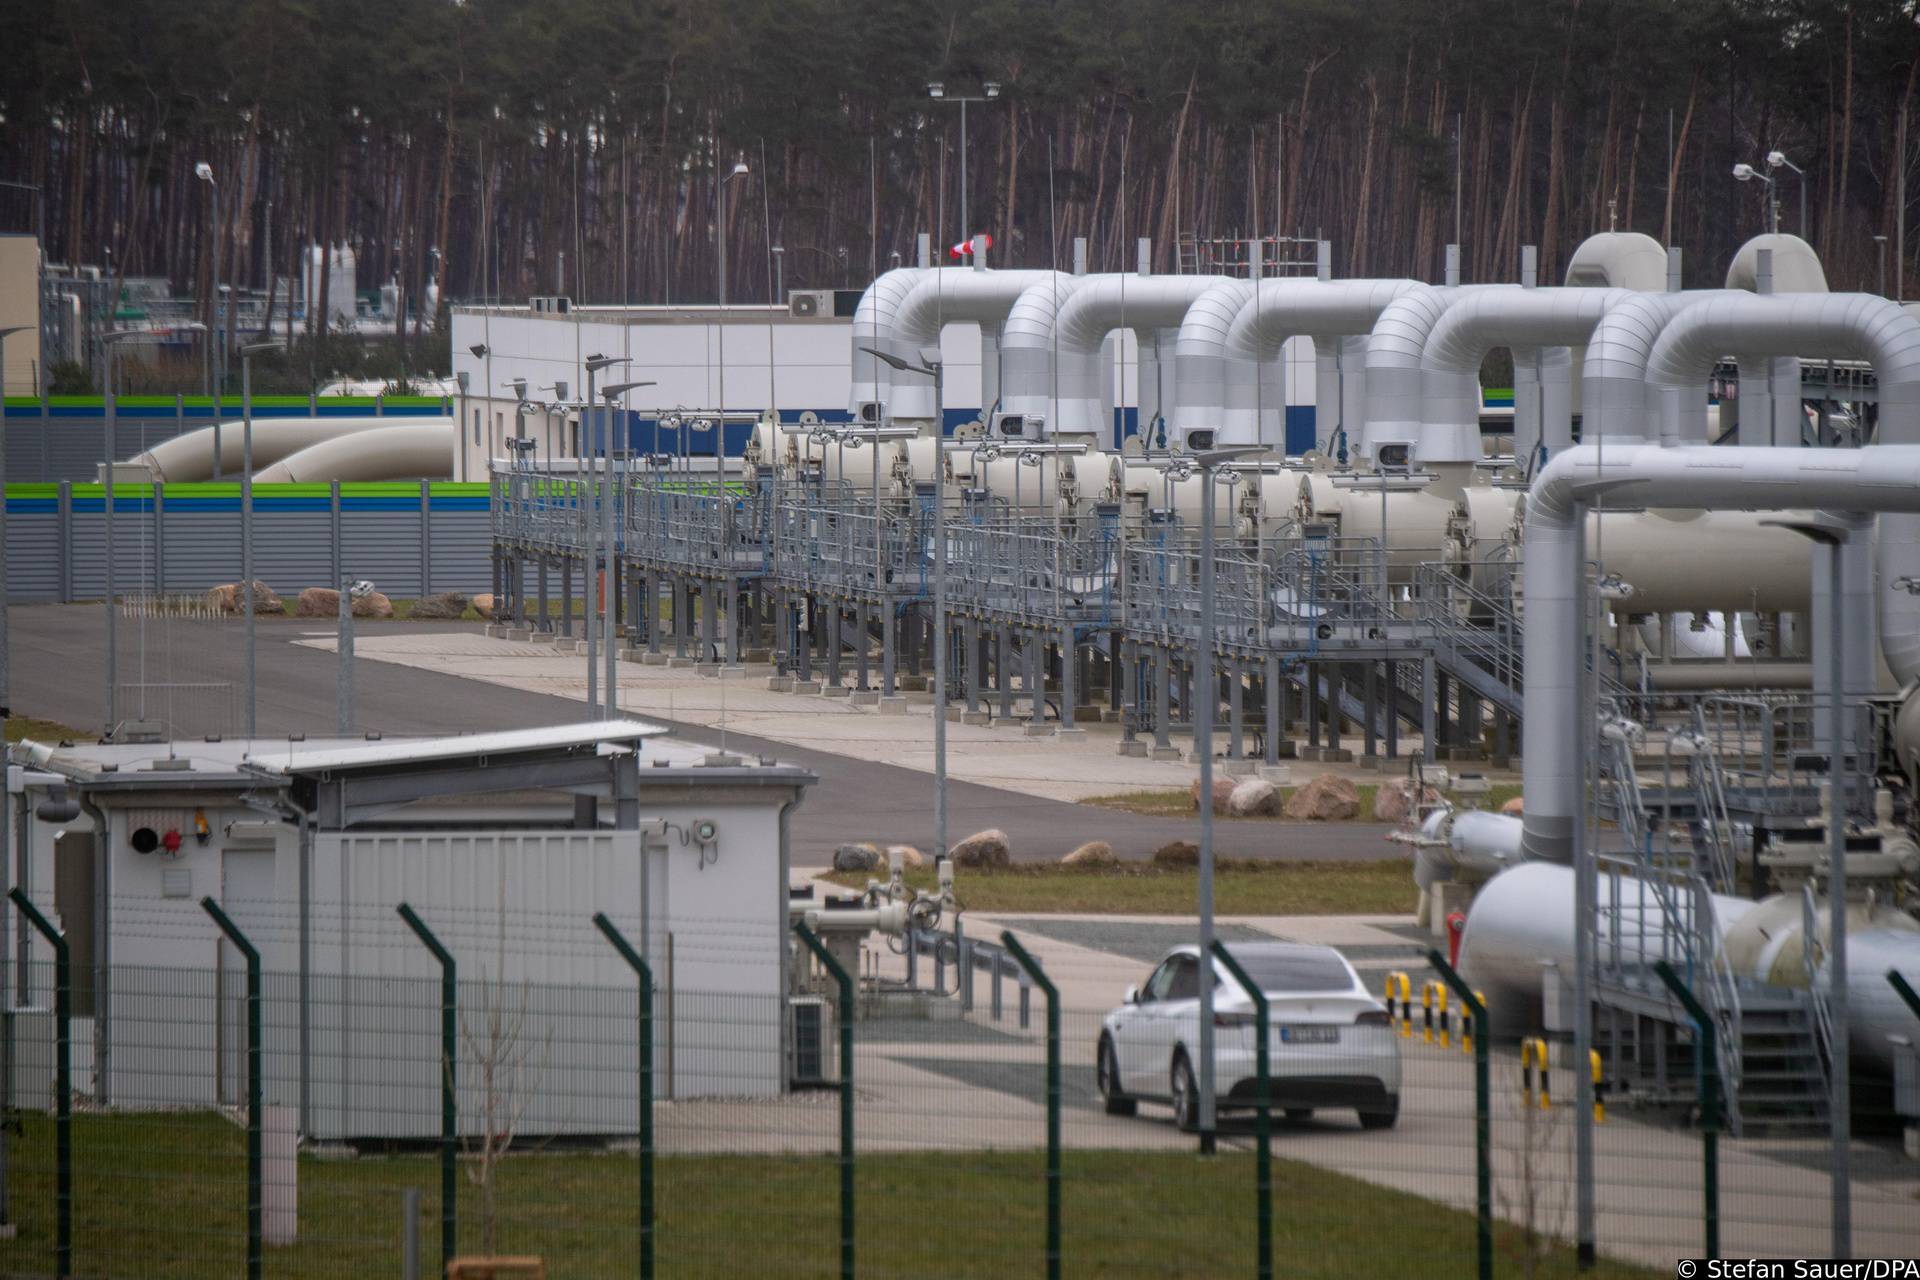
(204,172)
(595,364)
(1744,172)
(989,90)
(611,394)
(111,340)
(1776,160)
(6,702)
(246,515)
(1208,464)
(720,239)
(1834,534)
(779,275)
(932,367)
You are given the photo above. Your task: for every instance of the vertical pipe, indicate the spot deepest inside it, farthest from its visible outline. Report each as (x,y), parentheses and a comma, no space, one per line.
(343,679)
(246,534)
(1202,709)
(939,607)
(1839,1052)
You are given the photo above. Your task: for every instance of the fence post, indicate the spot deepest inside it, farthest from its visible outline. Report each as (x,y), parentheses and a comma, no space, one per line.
(254,1193)
(844,1016)
(62,1081)
(1263,1073)
(645,973)
(1033,970)
(426,538)
(1906,992)
(1706,1035)
(449,1049)
(1482,1102)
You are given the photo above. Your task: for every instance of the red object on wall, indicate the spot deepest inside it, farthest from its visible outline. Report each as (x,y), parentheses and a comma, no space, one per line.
(171,841)
(1456,926)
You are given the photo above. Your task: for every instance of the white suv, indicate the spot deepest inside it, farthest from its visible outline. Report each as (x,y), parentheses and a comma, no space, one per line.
(1332,1044)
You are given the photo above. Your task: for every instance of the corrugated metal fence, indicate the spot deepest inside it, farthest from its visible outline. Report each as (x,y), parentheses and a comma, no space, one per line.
(410,538)
(64,437)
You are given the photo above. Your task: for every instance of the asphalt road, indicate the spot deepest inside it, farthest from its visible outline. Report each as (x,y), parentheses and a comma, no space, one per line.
(59,661)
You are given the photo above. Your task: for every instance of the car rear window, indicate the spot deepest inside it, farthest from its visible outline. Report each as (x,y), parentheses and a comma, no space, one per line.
(1295,970)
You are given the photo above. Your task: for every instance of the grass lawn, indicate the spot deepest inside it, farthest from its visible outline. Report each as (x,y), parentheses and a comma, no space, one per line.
(1248,888)
(19,727)
(1178,802)
(163,1197)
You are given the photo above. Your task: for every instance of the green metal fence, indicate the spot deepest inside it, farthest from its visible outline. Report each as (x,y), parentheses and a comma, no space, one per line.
(921,1118)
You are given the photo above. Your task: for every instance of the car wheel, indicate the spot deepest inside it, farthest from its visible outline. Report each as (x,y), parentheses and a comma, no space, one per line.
(1299,1115)
(1381,1117)
(1186,1096)
(1107,1069)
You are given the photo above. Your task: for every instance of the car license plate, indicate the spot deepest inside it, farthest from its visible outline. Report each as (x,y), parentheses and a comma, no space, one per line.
(1310,1035)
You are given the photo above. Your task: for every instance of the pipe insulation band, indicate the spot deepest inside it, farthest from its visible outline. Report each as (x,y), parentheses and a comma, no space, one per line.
(873,321)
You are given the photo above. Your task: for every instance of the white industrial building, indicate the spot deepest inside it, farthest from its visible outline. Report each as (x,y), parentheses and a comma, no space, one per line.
(505,844)
(797,359)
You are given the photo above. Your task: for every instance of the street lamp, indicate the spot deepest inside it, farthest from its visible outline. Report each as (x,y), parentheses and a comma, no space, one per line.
(610,574)
(1744,172)
(1776,160)
(5,701)
(930,366)
(595,365)
(1834,534)
(720,239)
(110,340)
(989,90)
(204,172)
(247,354)
(1208,464)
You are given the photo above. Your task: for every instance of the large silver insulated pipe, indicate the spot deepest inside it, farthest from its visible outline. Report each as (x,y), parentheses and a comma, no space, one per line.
(402,451)
(1396,384)
(1875,478)
(1844,326)
(189,457)
(1092,309)
(873,323)
(952,295)
(1200,363)
(1027,341)
(1522,320)
(1334,313)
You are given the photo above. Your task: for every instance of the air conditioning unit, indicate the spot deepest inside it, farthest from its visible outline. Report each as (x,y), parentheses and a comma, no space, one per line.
(810,302)
(809,1041)
(550,305)
(872,413)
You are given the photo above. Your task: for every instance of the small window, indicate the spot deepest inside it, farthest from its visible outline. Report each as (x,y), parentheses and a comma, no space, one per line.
(1186,979)
(1161,981)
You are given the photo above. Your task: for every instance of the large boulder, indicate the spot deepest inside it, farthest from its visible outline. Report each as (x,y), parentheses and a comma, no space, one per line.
(982,849)
(1328,798)
(444,604)
(909,858)
(228,598)
(858,857)
(324,602)
(1177,853)
(1253,798)
(483,605)
(1222,792)
(1393,800)
(1094,855)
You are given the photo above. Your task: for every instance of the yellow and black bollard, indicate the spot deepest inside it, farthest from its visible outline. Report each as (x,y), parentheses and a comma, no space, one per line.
(1533,1052)
(1466,1023)
(1599,1107)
